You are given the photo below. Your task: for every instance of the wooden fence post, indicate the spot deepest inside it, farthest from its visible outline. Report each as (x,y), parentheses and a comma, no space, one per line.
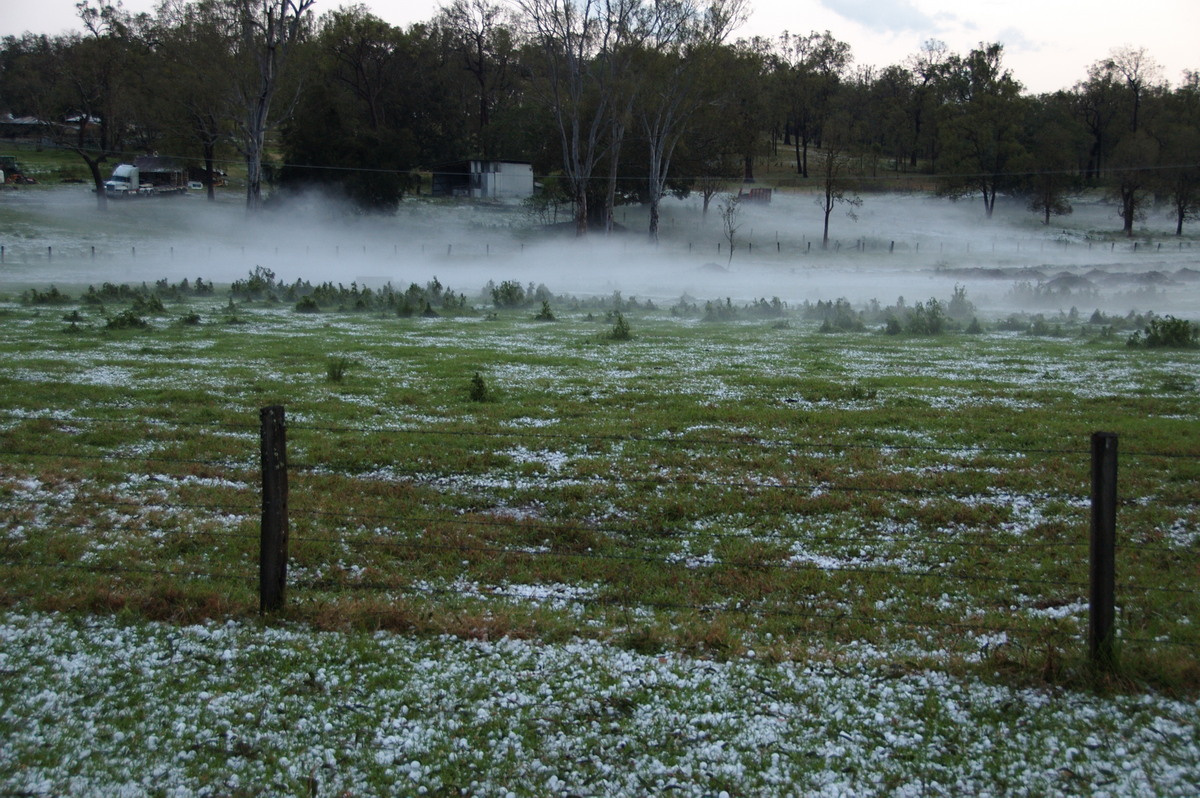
(1102,612)
(272,560)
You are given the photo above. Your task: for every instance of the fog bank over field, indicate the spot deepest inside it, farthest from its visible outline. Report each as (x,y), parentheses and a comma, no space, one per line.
(900,245)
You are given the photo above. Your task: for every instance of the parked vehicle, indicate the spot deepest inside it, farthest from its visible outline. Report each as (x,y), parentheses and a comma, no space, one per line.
(147,176)
(11,172)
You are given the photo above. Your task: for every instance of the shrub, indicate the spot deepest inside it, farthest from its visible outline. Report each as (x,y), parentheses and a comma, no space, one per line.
(479,391)
(509,294)
(191,320)
(545,314)
(260,284)
(837,316)
(960,308)
(718,311)
(1168,332)
(50,297)
(335,369)
(308,304)
(771,310)
(926,318)
(147,304)
(127,320)
(620,330)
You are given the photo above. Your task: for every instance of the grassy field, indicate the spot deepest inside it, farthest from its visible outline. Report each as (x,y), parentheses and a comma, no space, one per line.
(727,552)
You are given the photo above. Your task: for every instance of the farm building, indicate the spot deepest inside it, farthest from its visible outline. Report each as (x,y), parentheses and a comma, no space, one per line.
(481,179)
(19,127)
(159,171)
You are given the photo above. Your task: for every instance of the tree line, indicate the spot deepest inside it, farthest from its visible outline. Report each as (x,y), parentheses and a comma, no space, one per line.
(612,101)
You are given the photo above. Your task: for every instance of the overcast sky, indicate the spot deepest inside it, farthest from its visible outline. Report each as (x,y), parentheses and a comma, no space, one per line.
(1048,43)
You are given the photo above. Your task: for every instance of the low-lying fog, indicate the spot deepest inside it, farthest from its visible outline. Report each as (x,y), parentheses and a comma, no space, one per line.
(900,245)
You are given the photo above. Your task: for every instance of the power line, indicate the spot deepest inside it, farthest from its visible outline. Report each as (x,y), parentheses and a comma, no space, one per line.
(816,182)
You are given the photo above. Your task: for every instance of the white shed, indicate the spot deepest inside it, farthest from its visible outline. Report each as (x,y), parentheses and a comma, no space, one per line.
(483,179)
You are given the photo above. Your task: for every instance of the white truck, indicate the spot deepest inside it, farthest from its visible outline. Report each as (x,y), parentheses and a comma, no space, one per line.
(146,177)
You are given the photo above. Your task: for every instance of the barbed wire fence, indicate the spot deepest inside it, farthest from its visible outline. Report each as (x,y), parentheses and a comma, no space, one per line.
(693,238)
(453,519)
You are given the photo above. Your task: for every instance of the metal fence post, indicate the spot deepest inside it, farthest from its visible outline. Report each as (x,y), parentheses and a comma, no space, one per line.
(272,561)
(1102,610)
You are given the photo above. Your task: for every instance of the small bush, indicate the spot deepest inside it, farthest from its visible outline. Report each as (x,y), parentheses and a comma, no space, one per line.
(837,316)
(479,391)
(51,297)
(335,370)
(718,311)
(545,314)
(509,294)
(1167,332)
(148,304)
(620,330)
(127,320)
(926,318)
(861,392)
(308,304)
(190,320)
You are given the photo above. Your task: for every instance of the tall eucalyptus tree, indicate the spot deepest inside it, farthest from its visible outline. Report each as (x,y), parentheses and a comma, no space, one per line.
(266,33)
(673,64)
(982,150)
(582,49)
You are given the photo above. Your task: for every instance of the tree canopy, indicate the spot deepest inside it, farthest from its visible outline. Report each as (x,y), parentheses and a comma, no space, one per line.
(611,101)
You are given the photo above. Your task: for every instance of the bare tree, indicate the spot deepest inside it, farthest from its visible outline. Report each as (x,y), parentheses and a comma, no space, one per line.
(683,39)
(482,36)
(580,42)
(1139,72)
(1133,174)
(835,189)
(267,31)
(85,87)
(193,76)
(731,220)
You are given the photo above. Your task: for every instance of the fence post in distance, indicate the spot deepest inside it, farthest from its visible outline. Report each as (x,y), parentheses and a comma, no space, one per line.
(272,560)
(1102,612)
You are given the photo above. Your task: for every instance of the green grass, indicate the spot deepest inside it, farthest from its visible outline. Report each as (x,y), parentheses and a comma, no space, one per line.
(702,487)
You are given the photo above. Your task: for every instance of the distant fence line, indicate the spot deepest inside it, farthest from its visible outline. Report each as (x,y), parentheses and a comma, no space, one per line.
(705,245)
(273,469)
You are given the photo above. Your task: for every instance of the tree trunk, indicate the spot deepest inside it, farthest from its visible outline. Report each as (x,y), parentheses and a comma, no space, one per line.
(209,170)
(253,181)
(581,210)
(614,165)
(97,180)
(654,219)
(748,170)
